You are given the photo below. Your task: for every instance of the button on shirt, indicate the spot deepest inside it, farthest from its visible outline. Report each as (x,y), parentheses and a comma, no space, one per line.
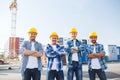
(74,55)
(95,62)
(32,61)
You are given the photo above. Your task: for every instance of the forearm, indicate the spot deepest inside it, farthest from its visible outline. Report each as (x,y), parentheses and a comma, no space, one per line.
(28,52)
(96,55)
(37,54)
(99,55)
(91,56)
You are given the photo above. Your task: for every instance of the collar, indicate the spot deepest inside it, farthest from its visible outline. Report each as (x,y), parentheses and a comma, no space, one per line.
(74,39)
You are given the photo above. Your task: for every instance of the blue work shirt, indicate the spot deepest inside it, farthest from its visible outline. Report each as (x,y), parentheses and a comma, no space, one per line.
(99,48)
(69,51)
(51,54)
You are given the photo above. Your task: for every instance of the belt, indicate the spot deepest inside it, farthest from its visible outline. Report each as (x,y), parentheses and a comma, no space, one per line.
(74,61)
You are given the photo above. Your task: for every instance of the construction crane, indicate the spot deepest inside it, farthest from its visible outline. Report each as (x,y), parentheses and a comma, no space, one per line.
(12,43)
(13,8)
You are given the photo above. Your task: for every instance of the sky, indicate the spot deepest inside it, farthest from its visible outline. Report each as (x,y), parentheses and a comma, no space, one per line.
(101,16)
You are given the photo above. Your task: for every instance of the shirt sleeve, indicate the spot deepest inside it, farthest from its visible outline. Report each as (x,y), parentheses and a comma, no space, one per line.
(81,48)
(61,51)
(50,53)
(68,49)
(22,47)
(88,49)
(102,49)
(41,48)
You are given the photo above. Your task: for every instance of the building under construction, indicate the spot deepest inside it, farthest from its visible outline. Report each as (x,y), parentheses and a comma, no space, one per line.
(15,45)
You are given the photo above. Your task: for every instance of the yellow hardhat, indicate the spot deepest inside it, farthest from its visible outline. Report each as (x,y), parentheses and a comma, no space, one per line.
(53,34)
(73,30)
(32,30)
(93,34)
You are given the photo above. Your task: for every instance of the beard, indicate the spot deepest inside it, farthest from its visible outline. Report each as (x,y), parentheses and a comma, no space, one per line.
(93,41)
(32,39)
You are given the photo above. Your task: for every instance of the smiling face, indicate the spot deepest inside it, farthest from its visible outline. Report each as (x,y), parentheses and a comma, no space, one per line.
(73,35)
(32,36)
(93,39)
(54,40)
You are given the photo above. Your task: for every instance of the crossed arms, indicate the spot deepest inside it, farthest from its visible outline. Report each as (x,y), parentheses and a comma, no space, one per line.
(32,53)
(96,55)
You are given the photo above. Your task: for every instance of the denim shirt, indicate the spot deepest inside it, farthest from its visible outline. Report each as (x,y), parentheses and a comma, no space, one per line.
(27,45)
(69,50)
(99,48)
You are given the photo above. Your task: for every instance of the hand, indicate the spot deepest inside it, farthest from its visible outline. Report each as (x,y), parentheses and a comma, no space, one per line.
(75,51)
(95,54)
(75,48)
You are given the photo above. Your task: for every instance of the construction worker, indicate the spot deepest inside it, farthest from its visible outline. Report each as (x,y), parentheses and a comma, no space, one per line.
(74,50)
(54,52)
(96,63)
(32,52)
